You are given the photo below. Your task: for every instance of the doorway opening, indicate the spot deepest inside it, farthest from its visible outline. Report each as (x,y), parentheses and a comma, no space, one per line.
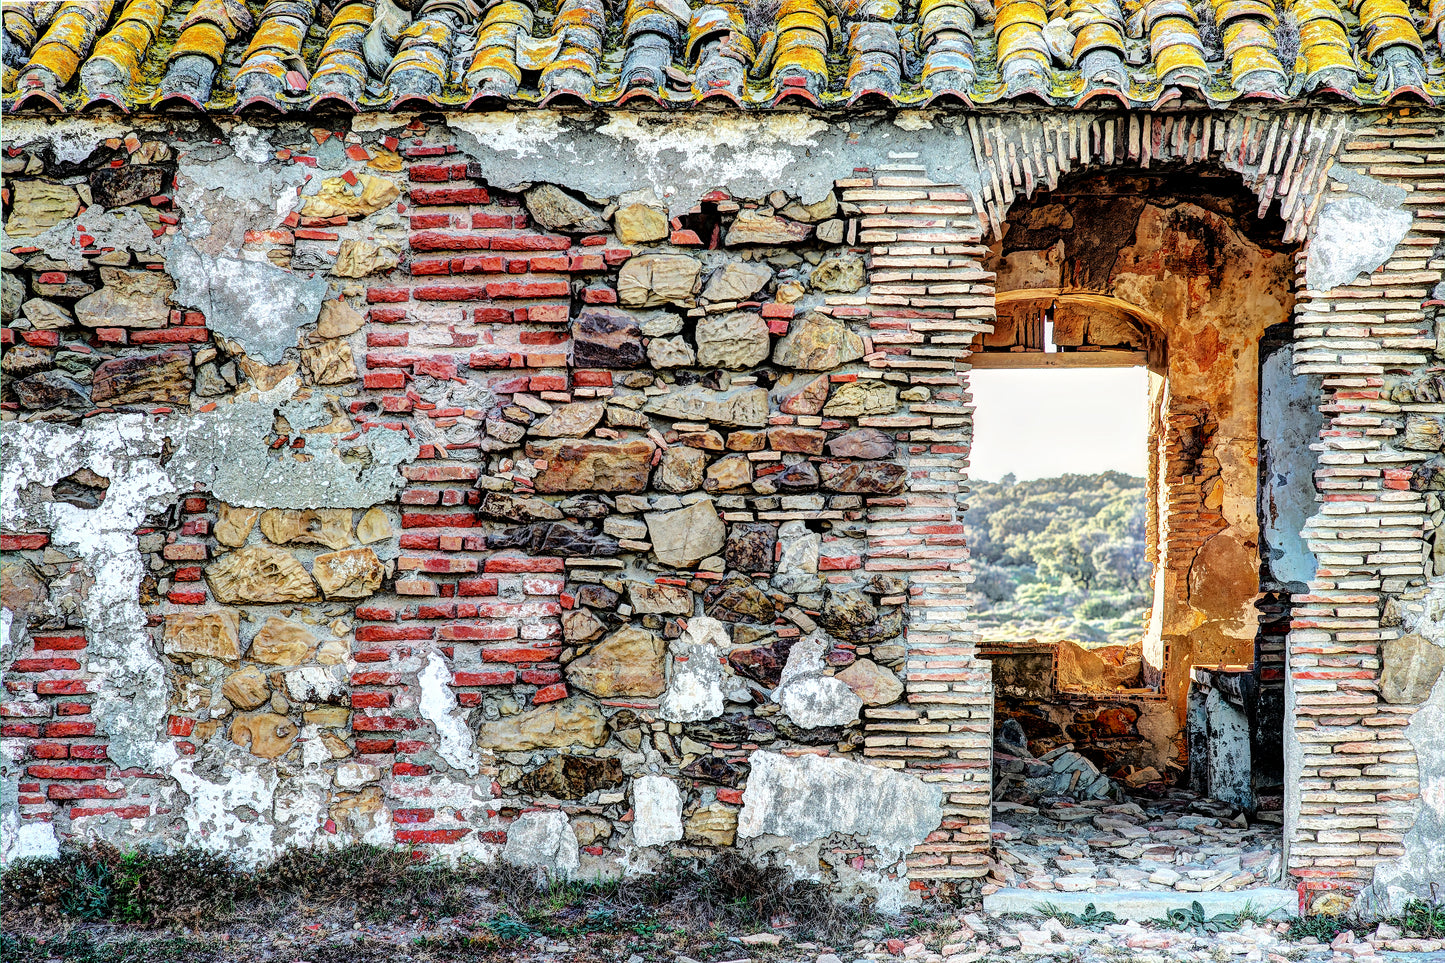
(1135,743)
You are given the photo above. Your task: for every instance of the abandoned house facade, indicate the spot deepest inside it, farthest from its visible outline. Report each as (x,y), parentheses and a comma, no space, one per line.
(541,432)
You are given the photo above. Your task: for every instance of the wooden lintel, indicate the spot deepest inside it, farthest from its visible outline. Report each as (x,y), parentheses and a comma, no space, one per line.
(1058,359)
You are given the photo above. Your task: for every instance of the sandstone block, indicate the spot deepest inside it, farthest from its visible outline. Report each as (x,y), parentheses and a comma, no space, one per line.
(311,526)
(593,466)
(670,353)
(359,258)
(872,683)
(754,227)
(281,643)
(629,662)
(247,688)
(640,224)
(556,210)
(572,777)
(736,340)
(259,573)
(375,526)
(1412,666)
(38,206)
(338,319)
(656,279)
(863,477)
(648,598)
(606,338)
(162,378)
(352,573)
(234,525)
(712,825)
(687,535)
(338,198)
(213,634)
(265,734)
(737,408)
(862,397)
(570,421)
(869,443)
(817,343)
(329,361)
(574,721)
(737,281)
(839,274)
(680,470)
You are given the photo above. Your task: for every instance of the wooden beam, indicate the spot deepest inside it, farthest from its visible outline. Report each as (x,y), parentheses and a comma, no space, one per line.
(1058,359)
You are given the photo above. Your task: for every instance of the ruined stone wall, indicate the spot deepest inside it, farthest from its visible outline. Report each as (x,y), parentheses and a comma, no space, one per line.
(359,481)
(495,522)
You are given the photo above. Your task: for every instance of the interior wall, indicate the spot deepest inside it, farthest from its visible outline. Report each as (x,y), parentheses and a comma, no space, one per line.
(1205,277)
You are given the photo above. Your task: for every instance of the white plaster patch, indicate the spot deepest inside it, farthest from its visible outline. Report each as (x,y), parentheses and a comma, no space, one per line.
(544,840)
(72,138)
(25,840)
(456,742)
(520,134)
(805,800)
(230,806)
(1352,236)
(808,696)
(656,811)
(723,148)
(695,677)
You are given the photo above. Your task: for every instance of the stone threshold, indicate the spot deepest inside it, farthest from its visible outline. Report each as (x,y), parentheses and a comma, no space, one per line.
(1143,905)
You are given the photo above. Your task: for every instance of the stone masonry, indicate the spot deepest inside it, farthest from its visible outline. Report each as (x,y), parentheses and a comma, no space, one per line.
(576,490)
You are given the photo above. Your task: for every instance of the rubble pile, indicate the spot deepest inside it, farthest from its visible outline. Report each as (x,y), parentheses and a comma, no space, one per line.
(1176,842)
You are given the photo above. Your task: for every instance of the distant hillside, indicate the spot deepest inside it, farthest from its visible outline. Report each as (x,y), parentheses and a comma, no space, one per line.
(1060,557)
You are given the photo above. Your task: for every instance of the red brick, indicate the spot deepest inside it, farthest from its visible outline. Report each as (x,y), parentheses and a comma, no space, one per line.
(509,564)
(56,791)
(49,750)
(385,379)
(498,677)
(181,726)
(734,796)
(549,693)
(410,769)
(66,772)
(59,730)
(375,613)
(520,654)
(438,520)
(375,678)
(369,746)
(432,173)
(59,643)
(528,242)
(412,815)
(477,586)
(387,295)
(430,835)
(472,631)
(526,289)
(384,633)
(449,195)
(449,241)
(16,543)
(43,665)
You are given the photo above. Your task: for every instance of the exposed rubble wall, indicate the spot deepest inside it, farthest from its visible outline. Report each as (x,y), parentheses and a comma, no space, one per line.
(425,481)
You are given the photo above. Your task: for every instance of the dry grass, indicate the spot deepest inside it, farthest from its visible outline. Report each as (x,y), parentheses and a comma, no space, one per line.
(362,903)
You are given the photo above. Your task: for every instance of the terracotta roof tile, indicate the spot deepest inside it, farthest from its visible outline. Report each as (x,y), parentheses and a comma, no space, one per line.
(292,55)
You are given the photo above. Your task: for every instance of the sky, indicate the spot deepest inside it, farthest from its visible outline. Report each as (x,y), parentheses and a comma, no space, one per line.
(1038,423)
